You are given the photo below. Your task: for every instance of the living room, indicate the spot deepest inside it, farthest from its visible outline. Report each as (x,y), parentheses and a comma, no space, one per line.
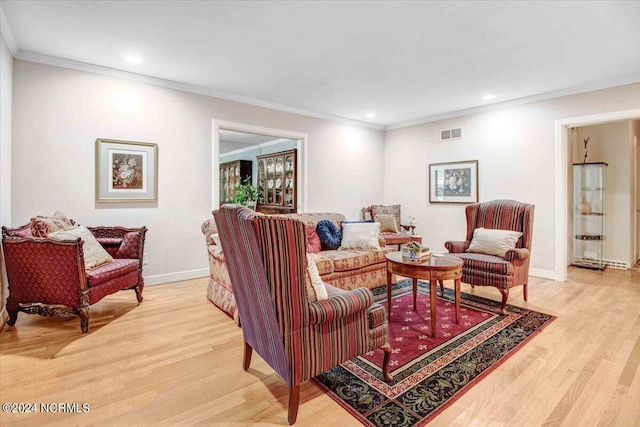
(54,108)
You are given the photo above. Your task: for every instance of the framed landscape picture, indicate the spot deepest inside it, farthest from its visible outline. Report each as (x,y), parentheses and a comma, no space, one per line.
(126,171)
(455,182)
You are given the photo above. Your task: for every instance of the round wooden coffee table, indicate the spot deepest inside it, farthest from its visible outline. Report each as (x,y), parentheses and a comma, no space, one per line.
(436,269)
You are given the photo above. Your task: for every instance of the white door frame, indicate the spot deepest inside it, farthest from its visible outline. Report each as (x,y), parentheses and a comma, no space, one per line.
(302,139)
(562,178)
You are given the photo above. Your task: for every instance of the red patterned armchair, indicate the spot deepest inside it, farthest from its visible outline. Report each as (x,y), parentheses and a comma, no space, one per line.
(299,339)
(489,270)
(47,276)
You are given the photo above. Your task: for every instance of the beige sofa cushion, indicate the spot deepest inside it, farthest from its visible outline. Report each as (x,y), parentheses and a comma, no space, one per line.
(346,260)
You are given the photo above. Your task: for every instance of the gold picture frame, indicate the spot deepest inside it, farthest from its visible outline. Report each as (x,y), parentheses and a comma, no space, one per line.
(453,182)
(126,171)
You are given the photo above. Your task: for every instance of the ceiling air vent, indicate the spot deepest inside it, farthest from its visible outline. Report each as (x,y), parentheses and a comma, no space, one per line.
(447,134)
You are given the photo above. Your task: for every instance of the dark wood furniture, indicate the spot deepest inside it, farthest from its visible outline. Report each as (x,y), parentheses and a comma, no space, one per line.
(436,269)
(277,182)
(233,174)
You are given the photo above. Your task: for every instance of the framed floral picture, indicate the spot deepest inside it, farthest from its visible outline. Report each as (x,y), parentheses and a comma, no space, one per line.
(126,171)
(455,182)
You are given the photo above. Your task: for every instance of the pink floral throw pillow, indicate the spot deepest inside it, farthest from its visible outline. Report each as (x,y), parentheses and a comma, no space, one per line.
(41,226)
(313,240)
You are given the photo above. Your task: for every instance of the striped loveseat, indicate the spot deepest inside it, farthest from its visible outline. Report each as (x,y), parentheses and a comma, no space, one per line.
(344,269)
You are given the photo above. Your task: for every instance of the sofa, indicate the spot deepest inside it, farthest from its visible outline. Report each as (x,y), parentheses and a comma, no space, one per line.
(54,276)
(344,269)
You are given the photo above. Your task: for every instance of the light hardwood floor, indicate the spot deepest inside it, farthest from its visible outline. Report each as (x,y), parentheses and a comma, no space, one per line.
(177,360)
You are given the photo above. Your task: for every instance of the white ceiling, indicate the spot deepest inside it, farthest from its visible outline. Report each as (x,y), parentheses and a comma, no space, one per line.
(404,61)
(232,140)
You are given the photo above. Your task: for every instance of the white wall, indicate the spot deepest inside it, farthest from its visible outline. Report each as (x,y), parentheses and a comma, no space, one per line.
(6,85)
(59,113)
(636,185)
(610,143)
(515,147)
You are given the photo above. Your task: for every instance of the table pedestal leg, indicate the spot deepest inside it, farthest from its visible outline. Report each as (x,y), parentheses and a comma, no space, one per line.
(415,293)
(432,302)
(457,298)
(389,277)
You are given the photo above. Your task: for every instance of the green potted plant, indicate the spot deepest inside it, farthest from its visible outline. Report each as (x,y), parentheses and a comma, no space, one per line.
(246,194)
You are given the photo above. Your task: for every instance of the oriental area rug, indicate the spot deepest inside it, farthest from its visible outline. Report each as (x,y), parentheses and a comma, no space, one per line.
(429,373)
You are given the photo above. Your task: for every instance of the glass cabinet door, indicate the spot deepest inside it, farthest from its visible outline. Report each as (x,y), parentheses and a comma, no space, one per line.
(589,215)
(289,175)
(261,181)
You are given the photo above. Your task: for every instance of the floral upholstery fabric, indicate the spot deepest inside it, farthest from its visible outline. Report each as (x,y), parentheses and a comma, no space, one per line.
(345,260)
(315,218)
(219,290)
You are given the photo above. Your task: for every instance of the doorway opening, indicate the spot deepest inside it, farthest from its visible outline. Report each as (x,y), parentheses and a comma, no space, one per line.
(246,149)
(563,166)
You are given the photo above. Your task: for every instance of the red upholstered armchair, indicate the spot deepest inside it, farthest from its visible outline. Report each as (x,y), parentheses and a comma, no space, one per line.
(47,276)
(299,339)
(489,270)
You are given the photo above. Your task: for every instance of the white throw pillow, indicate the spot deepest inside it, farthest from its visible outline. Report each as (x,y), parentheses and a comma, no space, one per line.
(493,242)
(94,253)
(360,235)
(316,290)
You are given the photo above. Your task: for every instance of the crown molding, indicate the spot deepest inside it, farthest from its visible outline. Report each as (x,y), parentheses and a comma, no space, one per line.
(7,34)
(519,101)
(170,84)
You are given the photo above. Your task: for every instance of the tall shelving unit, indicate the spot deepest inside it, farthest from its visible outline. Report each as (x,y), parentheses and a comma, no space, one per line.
(589,215)
(233,174)
(277,182)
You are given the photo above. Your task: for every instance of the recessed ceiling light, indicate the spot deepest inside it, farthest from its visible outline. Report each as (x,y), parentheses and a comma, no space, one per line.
(488,97)
(370,115)
(133,59)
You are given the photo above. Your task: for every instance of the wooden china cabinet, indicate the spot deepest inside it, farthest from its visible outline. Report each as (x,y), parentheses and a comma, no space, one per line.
(233,174)
(277,182)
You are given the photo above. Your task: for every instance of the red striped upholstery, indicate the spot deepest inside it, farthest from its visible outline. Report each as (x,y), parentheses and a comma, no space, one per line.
(266,259)
(488,270)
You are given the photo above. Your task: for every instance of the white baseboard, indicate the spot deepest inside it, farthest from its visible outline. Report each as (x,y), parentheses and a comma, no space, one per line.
(545,274)
(4,316)
(175,277)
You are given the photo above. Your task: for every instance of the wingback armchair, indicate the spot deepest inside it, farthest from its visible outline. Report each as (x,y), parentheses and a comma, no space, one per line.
(489,270)
(299,339)
(390,238)
(47,276)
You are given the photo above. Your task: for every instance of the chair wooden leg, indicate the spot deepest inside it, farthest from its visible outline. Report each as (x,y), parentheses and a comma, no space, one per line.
(139,289)
(83,310)
(294,401)
(385,362)
(525,291)
(505,296)
(12,309)
(247,356)
(441,283)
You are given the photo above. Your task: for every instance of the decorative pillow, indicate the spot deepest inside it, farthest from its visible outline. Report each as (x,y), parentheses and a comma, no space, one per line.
(493,242)
(388,223)
(363,235)
(313,241)
(387,210)
(94,253)
(316,290)
(24,233)
(329,235)
(41,226)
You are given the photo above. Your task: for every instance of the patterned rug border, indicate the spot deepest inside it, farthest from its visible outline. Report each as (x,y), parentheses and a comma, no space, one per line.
(514,313)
